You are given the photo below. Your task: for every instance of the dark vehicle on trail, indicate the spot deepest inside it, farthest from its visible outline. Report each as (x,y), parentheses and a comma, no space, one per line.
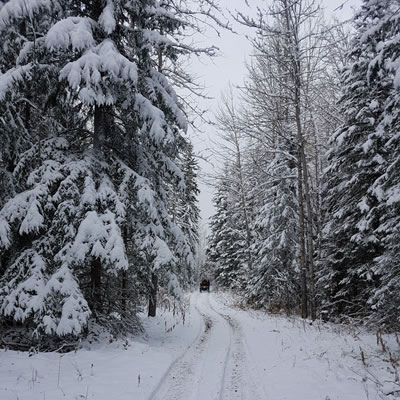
(205,285)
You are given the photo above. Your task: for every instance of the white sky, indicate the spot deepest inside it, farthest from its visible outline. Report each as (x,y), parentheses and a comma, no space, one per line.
(230,68)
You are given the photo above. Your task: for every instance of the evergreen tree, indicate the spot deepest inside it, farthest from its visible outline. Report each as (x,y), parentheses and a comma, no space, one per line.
(274,282)
(217,243)
(188,210)
(103,133)
(355,203)
(383,70)
(227,246)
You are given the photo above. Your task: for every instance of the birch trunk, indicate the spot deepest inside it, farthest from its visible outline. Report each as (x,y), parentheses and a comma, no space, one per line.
(292,26)
(303,268)
(244,203)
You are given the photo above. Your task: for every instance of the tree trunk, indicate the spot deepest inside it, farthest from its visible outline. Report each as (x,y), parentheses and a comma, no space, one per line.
(100,129)
(310,244)
(160,55)
(153,296)
(95,277)
(295,76)
(309,225)
(292,34)
(303,269)
(244,203)
(102,126)
(318,174)
(124,291)
(124,275)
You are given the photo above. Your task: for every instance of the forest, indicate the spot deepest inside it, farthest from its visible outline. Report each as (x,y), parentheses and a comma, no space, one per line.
(99,216)
(307,204)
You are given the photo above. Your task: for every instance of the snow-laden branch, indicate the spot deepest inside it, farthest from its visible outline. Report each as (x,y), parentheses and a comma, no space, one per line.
(76,32)
(15,9)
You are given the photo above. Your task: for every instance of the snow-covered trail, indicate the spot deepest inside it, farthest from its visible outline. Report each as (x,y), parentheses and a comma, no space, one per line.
(214,351)
(242,377)
(216,366)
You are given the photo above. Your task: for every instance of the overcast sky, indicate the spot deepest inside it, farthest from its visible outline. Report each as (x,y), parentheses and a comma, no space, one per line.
(229,67)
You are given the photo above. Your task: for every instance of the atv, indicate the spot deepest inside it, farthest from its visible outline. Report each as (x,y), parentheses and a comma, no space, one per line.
(205,286)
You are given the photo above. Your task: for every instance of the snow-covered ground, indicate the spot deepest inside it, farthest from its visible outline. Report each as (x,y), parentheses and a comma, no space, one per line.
(216,352)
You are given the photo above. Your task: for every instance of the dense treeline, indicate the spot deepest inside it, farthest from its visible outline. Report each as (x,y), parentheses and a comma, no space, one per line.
(308,204)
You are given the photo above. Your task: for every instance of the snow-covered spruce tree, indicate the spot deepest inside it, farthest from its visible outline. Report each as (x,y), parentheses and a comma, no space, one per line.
(217,241)
(233,150)
(383,69)
(227,250)
(89,214)
(274,282)
(229,246)
(7,153)
(187,210)
(361,177)
(29,117)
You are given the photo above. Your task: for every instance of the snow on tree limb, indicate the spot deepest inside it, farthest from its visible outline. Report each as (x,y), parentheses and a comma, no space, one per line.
(13,76)
(15,9)
(85,74)
(73,31)
(107,19)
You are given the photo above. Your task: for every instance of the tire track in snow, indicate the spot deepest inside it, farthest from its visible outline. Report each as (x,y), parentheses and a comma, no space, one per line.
(181,374)
(232,383)
(241,378)
(222,383)
(216,366)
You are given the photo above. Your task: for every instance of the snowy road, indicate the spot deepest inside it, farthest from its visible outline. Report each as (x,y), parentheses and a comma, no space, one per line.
(214,351)
(216,365)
